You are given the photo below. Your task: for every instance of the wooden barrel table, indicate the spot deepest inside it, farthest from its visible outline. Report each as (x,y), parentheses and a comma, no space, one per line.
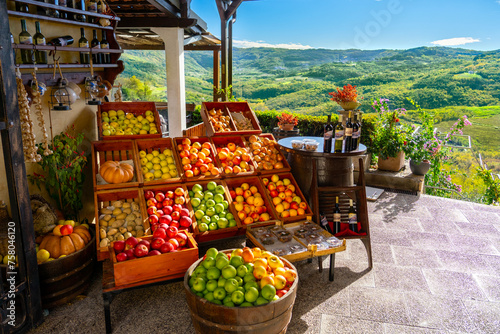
(210,318)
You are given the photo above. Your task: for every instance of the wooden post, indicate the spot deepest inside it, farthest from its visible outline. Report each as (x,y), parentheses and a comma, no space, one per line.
(216,75)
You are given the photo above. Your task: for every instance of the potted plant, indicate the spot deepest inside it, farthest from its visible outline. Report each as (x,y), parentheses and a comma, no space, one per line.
(287,121)
(346,97)
(389,136)
(420,145)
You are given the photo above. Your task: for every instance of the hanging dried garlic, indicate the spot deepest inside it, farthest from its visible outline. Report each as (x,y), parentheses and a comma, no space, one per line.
(37,103)
(29,147)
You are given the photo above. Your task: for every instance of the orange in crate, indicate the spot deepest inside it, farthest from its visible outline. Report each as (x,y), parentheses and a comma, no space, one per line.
(197,158)
(266,154)
(233,156)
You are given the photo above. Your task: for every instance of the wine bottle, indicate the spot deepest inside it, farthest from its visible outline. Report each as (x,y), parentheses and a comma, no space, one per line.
(61,41)
(70,4)
(22,7)
(92,7)
(63,14)
(328,134)
(95,44)
(348,133)
(355,135)
(53,12)
(353,218)
(25,38)
(41,10)
(339,136)
(359,131)
(39,38)
(324,222)
(84,43)
(105,57)
(80,4)
(336,217)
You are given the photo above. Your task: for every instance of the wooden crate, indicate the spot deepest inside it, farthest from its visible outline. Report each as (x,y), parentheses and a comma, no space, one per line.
(104,199)
(171,187)
(137,108)
(220,233)
(205,108)
(286,165)
(298,192)
(149,145)
(229,108)
(240,142)
(201,176)
(118,150)
(158,266)
(253,181)
(245,110)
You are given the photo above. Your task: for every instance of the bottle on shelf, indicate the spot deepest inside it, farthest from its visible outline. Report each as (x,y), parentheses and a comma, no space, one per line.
(25,38)
(80,4)
(63,14)
(328,134)
(70,4)
(324,222)
(353,218)
(41,10)
(348,133)
(336,216)
(355,135)
(39,39)
(52,12)
(339,136)
(92,7)
(95,44)
(22,7)
(105,57)
(359,131)
(61,41)
(84,43)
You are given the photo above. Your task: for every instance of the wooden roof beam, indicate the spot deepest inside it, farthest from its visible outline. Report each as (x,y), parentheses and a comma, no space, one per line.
(162,22)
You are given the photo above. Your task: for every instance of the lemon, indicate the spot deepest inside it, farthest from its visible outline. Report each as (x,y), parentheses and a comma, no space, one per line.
(42,255)
(170,160)
(149,156)
(156,160)
(143,154)
(163,163)
(144,161)
(149,176)
(167,152)
(165,176)
(156,167)
(158,174)
(165,170)
(156,153)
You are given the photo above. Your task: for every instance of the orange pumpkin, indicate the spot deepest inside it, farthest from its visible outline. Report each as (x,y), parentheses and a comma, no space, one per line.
(58,245)
(116,172)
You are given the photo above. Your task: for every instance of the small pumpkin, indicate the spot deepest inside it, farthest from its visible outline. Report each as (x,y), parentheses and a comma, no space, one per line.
(58,245)
(116,172)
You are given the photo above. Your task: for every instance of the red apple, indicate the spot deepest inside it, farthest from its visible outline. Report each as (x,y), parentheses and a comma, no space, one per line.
(154,227)
(169,194)
(177,207)
(274,193)
(149,194)
(165,219)
(152,210)
(163,226)
(294,205)
(184,212)
(172,231)
(159,205)
(121,257)
(157,243)
(185,221)
(130,253)
(179,191)
(181,239)
(154,252)
(167,210)
(131,242)
(160,233)
(183,228)
(119,246)
(153,219)
(145,243)
(175,223)
(159,213)
(141,250)
(176,215)
(151,202)
(180,200)
(160,196)
(166,247)
(232,193)
(166,202)
(66,230)
(174,243)
(281,293)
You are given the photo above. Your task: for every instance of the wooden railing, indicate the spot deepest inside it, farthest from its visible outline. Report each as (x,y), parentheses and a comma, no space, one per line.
(197,130)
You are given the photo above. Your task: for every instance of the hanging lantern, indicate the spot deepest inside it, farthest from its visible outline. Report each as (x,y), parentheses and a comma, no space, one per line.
(92,91)
(60,96)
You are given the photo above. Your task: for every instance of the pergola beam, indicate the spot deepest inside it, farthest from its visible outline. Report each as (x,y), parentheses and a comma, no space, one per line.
(161,22)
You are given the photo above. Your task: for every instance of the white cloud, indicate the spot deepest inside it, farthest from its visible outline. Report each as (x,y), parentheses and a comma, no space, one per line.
(262,44)
(455,41)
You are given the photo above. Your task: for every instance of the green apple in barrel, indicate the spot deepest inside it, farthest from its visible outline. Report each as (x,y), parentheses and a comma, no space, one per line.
(261,301)
(221,262)
(231,285)
(208,263)
(228,272)
(242,270)
(268,292)
(213,273)
(251,294)
(239,280)
(251,285)
(220,293)
(199,284)
(249,277)
(246,304)
(209,296)
(221,282)
(211,285)
(237,297)
(236,261)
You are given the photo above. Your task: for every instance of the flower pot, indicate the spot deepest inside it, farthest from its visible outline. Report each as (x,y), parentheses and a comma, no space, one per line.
(392,164)
(350,105)
(421,168)
(287,127)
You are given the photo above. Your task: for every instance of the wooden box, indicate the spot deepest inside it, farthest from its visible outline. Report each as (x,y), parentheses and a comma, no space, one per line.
(118,150)
(171,187)
(201,176)
(220,142)
(308,212)
(137,108)
(150,145)
(230,108)
(262,170)
(220,233)
(252,181)
(167,265)
(105,198)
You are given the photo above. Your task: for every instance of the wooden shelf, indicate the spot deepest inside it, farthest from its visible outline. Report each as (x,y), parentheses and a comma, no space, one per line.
(63,48)
(66,9)
(53,19)
(39,66)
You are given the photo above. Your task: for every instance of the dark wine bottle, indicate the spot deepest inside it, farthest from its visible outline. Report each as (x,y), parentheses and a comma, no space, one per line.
(63,14)
(336,217)
(22,7)
(328,134)
(53,12)
(355,135)
(25,38)
(84,43)
(95,44)
(339,136)
(80,4)
(348,133)
(359,131)
(70,4)
(324,222)
(41,10)
(39,39)
(92,8)
(353,218)
(61,41)
(105,57)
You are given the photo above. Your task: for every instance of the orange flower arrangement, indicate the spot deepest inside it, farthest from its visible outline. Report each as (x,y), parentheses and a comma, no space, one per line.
(287,118)
(347,94)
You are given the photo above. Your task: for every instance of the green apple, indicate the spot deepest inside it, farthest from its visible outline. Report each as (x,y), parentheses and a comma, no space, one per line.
(212,252)
(104,114)
(219,208)
(229,304)
(268,292)
(199,214)
(199,294)
(200,271)
(261,301)
(220,293)
(191,281)
(222,223)
(236,261)
(199,284)
(227,299)
(211,285)
(249,278)
(231,285)
(253,284)
(208,195)
(225,203)
(239,279)
(213,273)
(218,198)
(241,270)
(214,219)
(237,297)
(202,206)
(211,185)
(208,263)
(221,282)
(216,301)
(251,294)
(212,226)
(229,272)
(190,193)
(223,214)
(197,187)
(195,202)
(221,254)
(232,223)
(240,288)
(203,227)
(220,189)
(246,304)
(205,219)
(249,267)
(199,194)
(210,203)
(210,211)
(221,262)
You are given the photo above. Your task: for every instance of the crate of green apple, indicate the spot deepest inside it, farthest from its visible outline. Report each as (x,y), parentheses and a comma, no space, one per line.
(240,278)
(211,203)
(168,253)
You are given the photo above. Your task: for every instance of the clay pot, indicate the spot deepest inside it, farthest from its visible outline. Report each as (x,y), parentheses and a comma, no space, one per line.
(392,164)
(421,168)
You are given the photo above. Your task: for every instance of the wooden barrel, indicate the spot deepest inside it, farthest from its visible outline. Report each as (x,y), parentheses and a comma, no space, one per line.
(63,279)
(279,134)
(210,318)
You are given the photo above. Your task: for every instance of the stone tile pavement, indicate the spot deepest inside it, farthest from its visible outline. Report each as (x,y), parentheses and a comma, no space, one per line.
(436,270)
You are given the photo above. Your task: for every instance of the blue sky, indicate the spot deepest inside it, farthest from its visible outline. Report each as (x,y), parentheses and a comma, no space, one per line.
(361,24)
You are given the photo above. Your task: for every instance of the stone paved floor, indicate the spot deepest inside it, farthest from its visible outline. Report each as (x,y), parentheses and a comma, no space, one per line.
(436,270)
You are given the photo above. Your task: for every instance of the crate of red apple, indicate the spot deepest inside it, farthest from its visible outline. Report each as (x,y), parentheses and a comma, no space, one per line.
(197,158)
(167,253)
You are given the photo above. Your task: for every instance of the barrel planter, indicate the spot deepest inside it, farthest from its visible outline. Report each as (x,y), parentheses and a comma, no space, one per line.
(210,318)
(63,279)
